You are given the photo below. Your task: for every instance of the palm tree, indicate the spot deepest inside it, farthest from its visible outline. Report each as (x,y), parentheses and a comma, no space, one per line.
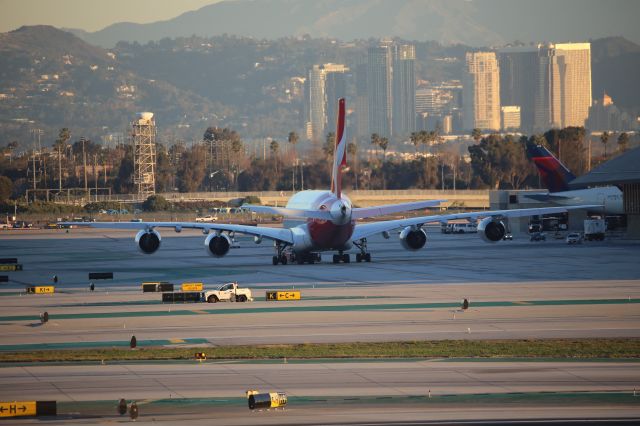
(604,138)
(375,139)
(293,140)
(11,146)
(623,142)
(352,150)
(384,144)
(275,147)
(63,137)
(476,134)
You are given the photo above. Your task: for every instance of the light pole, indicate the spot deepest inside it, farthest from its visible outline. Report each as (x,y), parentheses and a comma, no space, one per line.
(84,165)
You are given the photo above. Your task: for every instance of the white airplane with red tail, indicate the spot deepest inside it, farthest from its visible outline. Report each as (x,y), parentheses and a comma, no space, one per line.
(320,221)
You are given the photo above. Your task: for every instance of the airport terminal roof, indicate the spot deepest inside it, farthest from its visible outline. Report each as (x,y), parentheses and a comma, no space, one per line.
(623,169)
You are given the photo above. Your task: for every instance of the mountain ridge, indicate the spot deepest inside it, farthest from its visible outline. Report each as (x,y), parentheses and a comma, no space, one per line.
(474,23)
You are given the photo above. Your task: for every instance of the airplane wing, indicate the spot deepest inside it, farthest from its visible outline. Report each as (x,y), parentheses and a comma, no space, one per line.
(368,229)
(363,212)
(545,197)
(278,234)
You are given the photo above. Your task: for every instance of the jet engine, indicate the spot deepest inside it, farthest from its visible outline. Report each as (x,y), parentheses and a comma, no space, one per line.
(491,230)
(217,245)
(413,238)
(148,241)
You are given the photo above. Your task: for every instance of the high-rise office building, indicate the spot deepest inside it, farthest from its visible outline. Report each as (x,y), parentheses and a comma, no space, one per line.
(335,88)
(511,117)
(379,89)
(481,91)
(570,70)
(551,84)
(404,90)
(326,84)
(519,67)
(362,101)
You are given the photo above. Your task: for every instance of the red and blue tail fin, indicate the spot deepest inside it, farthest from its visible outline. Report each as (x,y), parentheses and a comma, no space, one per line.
(340,151)
(554,174)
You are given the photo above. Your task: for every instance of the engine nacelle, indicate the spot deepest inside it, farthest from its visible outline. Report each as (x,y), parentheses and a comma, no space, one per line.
(257,239)
(491,230)
(148,242)
(413,238)
(217,245)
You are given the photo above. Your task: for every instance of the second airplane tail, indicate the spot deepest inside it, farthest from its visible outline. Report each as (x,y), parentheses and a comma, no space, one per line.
(554,174)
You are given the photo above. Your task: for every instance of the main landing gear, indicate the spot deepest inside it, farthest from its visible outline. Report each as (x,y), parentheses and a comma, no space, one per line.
(281,256)
(364,255)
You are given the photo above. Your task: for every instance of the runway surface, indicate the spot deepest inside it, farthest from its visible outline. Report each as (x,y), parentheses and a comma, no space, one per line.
(518,290)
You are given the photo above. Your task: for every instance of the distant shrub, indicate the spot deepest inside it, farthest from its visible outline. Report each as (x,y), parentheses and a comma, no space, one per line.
(102,205)
(252,199)
(156,203)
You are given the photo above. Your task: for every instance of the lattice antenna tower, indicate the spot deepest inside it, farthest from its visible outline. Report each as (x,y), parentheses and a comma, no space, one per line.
(144,153)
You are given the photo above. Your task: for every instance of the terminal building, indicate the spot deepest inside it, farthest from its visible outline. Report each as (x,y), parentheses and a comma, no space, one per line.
(621,171)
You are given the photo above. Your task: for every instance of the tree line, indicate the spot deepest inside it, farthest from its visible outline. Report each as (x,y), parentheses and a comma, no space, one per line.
(221,161)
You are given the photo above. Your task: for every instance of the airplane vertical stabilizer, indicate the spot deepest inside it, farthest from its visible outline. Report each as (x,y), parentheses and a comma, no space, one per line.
(554,174)
(340,152)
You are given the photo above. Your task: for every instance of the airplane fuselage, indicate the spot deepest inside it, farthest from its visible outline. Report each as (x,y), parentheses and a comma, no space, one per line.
(608,196)
(317,234)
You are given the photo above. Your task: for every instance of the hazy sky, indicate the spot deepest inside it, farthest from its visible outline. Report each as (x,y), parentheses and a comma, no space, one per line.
(90,15)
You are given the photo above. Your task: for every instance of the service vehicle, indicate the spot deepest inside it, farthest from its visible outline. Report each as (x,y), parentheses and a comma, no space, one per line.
(229,292)
(574,238)
(538,236)
(594,229)
(459,228)
(208,218)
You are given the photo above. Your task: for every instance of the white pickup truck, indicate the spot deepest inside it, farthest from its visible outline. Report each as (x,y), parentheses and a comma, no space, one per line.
(229,292)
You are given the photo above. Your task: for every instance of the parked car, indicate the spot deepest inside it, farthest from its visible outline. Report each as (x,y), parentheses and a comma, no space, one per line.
(538,236)
(574,238)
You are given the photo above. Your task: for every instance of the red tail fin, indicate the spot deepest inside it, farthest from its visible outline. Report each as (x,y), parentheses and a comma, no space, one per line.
(340,152)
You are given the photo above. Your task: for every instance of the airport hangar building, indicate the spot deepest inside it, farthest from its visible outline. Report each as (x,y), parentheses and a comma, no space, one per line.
(622,171)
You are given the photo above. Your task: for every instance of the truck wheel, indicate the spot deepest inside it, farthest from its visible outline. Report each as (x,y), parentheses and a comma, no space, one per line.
(212,299)
(242,298)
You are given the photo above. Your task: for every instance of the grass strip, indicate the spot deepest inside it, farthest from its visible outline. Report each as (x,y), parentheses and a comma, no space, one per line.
(547,348)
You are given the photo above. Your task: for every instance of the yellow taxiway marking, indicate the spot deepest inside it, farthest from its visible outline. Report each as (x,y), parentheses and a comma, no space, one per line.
(176,341)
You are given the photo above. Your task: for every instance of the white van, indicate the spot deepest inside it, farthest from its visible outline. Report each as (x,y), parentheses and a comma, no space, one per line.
(463,228)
